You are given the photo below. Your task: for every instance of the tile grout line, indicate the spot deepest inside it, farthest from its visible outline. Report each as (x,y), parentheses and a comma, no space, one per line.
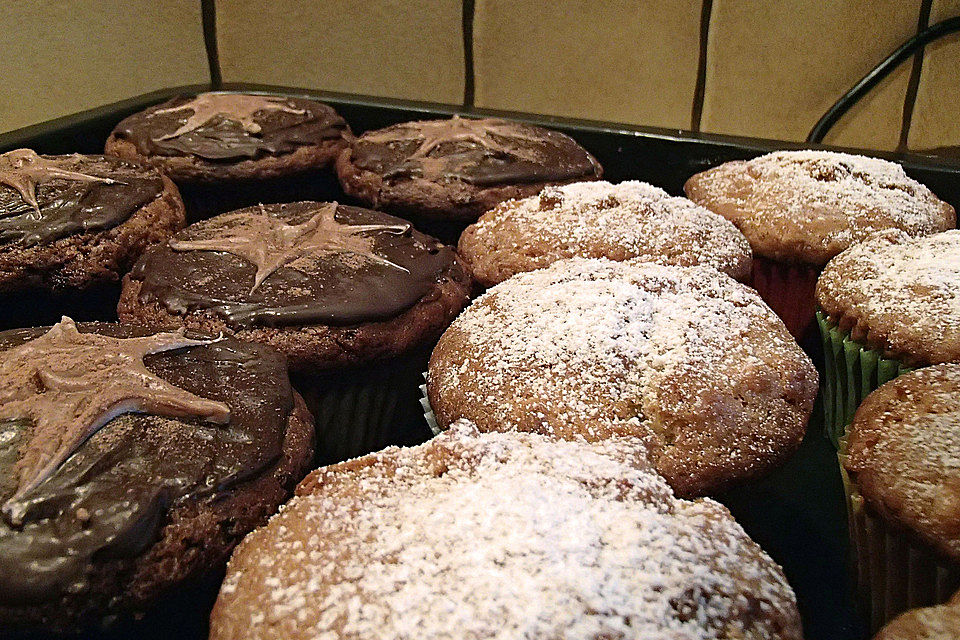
(469,11)
(696,114)
(208,15)
(913,84)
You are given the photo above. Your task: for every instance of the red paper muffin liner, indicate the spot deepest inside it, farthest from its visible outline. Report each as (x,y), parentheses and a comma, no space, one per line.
(789,289)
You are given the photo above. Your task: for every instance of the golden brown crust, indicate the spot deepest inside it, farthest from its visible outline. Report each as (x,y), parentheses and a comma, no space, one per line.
(82,259)
(627,222)
(195,169)
(808,206)
(195,540)
(313,347)
(904,455)
(929,623)
(686,358)
(428,199)
(899,295)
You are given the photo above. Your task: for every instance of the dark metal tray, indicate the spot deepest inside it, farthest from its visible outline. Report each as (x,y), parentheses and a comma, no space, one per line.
(797,514)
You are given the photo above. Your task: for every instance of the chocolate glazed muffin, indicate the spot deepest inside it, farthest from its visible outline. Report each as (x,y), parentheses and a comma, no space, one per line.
(267,148)
(355,298)
(70,227)
(104,515)
(444,173)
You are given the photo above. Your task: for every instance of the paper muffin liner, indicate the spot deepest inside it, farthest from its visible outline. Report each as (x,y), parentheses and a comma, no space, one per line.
(428,413)
(851,371)
(788,289)
(893,571)
(364,409)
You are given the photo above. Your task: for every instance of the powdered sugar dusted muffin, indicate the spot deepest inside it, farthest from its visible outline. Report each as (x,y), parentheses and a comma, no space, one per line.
(898,294)
(941,622)
(798,209)
(903,461)
(631,221)
(684,357)
(501,535)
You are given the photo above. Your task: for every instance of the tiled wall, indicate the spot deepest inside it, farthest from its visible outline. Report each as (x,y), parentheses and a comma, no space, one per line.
(764,68)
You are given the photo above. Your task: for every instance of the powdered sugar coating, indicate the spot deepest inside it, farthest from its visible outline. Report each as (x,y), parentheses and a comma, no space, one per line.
(901,293)
(808,206)
(904,454)
(630,221)
(501,536)
(684,357)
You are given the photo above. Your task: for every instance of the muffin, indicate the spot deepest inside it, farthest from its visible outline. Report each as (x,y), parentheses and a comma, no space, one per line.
(628,222)
(229,150)
(904,491)
(355,299)
(501,535)
(799,209)
(685,358)
(105,511)
(70,227)
(442,174)
(941,622)
(887,305)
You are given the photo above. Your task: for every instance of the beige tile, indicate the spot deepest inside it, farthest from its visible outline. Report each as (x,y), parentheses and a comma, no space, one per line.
(936,113)
(399,48)
(774,67)
(61,57)
(618,60)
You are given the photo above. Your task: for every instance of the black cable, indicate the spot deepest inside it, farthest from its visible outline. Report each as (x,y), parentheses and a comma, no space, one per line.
(468,71)
(878,73)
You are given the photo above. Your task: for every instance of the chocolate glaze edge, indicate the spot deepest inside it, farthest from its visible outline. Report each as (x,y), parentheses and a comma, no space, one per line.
(200,461)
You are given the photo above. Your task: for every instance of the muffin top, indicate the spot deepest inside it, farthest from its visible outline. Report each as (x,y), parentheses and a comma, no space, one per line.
(229,127)
(684,357)
(903,454)
(631,221)
(46,198)
(808,206)
(294,264)
(929,623)
(501,535)
(83,480)
(901,293)
(482,152)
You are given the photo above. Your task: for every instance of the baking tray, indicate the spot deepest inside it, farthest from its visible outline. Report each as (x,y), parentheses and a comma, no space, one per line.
(797,514)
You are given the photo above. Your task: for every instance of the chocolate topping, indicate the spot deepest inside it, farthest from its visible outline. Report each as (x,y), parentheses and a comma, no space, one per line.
(231,126)
(45,198)
(69,384)
(108,498)
(347,265)
(481,152)
(269,243)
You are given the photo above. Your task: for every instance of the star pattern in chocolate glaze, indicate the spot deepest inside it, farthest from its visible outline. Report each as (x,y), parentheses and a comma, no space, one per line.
(240,108)
(23,170)
(70,384)
(483,133)
(270,243)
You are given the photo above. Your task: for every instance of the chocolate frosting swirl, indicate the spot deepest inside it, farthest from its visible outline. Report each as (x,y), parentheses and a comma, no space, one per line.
(318,287)
(108,499)
(68,206)
(234,127)
(481,152)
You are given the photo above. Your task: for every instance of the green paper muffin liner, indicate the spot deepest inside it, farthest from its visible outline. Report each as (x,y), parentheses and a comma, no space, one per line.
(364,409)
(428,413)
(851,372)
(893,571)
